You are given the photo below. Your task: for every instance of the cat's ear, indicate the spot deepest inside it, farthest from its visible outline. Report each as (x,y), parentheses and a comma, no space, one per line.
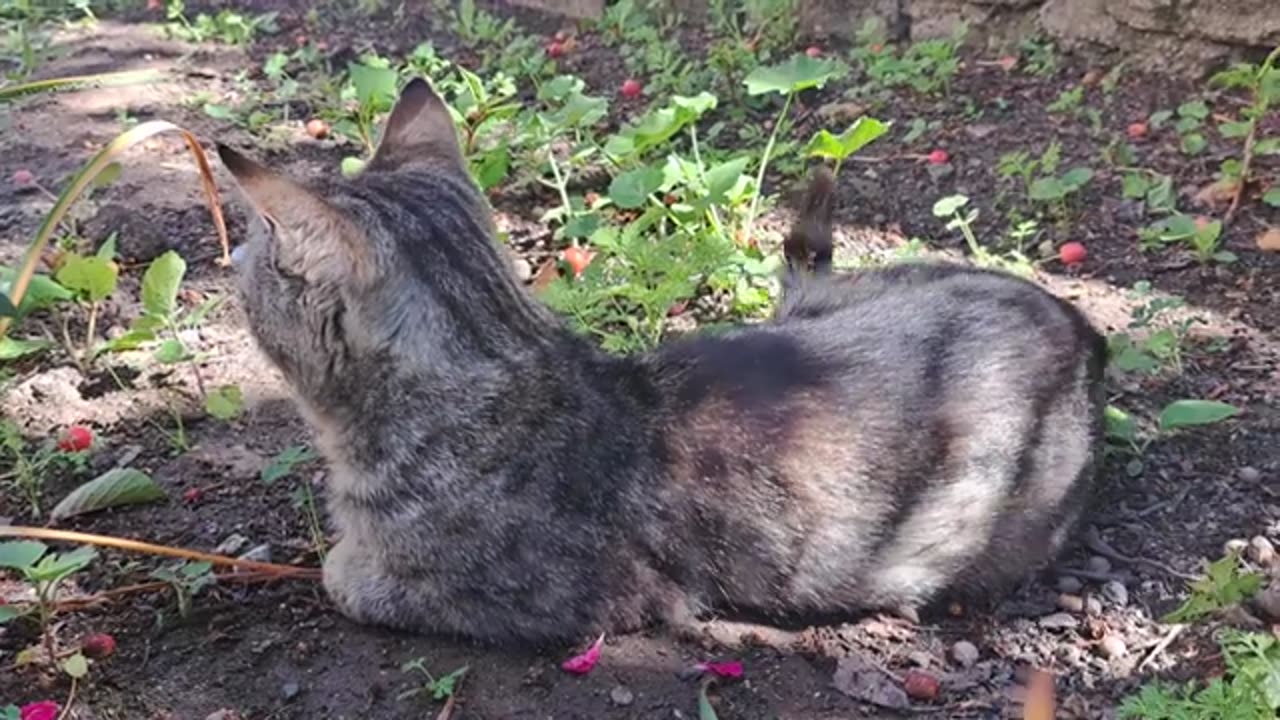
(419,129)
(314,238)
(810,243)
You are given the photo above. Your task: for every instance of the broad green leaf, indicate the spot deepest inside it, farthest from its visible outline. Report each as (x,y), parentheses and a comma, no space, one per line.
(839,147)
(225,403)
(1185,413)
(801,72)
(219,112)
(43,292)
(54,567)
(705,711)
(107,250)
(1074,178)
(1196,109)
(1120,424)
(950,205)
(722,178)
(119,486)
(375,86)
(492,169)
(696,105)
(161,282)
(76,666)
(10,712)
(1234,129)
(631,189)
(559,88)
(91,276)
(7,613)
(1194,144)
(284,463)
(14,348)
(1272,197)
(1135,185)
(1046,189)
(6,307)
(20,554)
(351,166)
(169,352)
(1267,146)
(580,111)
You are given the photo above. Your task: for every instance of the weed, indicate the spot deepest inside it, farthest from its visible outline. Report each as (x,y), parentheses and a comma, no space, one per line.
(1263,83)
(1040,179)
(227,26)
(950,208)
(1226,583)
(1123,430)
(1039,56)
(1188,122)
(304,501)
(435,688)
(1250,689)
(839,148)
(186,579)
(927,66)
(30,467)
(1202,235)
(1164,338)
(45,571)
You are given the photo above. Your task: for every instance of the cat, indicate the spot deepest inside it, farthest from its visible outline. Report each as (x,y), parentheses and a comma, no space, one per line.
(498,477)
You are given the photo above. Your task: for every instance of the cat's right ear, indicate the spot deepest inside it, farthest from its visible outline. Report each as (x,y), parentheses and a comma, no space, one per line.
(419,129)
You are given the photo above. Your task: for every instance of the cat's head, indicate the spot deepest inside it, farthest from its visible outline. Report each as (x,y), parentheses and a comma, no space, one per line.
(344,278)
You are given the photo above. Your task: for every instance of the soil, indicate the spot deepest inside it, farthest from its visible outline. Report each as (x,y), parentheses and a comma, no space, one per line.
(278,651)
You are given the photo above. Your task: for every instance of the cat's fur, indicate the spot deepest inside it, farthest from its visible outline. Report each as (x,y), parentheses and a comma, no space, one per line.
(920,429)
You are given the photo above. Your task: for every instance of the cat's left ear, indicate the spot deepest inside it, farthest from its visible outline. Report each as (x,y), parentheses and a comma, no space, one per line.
(420,129)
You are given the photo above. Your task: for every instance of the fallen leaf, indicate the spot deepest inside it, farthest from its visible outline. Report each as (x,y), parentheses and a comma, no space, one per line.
(582,664)
(731,669)
(1269,239)
(859,679)
(546,275)
(1214,194)
(1040,704)
(1007,63)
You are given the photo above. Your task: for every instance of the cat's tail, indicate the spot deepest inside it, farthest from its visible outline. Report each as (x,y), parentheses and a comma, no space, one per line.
(809,245)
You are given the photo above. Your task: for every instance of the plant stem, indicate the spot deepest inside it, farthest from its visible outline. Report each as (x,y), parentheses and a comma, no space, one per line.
(560,184)
(71,701)
(764,164)
(91,331)
(702,174)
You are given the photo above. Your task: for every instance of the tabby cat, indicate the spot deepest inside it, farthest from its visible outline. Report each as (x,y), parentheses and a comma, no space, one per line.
(885,439)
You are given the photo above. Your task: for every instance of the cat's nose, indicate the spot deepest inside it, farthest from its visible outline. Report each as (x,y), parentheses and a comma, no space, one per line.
(238,254)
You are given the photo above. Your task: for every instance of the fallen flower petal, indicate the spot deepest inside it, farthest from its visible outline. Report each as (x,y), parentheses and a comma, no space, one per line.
(43,710)
(731,669)
(582,664)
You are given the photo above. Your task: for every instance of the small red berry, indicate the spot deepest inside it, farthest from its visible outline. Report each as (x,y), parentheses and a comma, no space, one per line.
(1007,63)
(578,258)
(938,157)
(23,177)
(1137,130)
(591,198)
(75,439)
(1202,222)
(98,646)
(813,51)
(1072,253)
(877,48)
(631,89)
(920,685)
(192,495)
(555,49)
(317,128)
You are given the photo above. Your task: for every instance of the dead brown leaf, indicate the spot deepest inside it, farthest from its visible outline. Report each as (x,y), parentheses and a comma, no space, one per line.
(546,275)
(1269,239)
(1040,702)
(1215,193)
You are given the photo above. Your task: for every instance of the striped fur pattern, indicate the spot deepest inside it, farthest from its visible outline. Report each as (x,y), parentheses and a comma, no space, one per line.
(920,430)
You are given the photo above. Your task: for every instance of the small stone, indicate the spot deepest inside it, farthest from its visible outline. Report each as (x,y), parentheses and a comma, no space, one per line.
(290,690)
(1069,584)
(1098,564)
(964,653)
(921,685)
(1059,621)
(1112,647)
(978,131)
(622,696)
(260,553)
(1268,601)
(1069,654)
(1261,551)
(1070,603)
(1092,606)
(1249,474)
(1235,546)
(232,545)
(1115,593)
(522,269)
(920,658)
(225,714)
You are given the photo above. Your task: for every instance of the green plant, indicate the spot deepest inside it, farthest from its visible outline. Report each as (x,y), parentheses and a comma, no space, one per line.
(839,148)
(950,208)
(45,571)
(29,467)
(1154,189)
(1263,83)
(475,26)
(1164,337)
(1226,583)
(226,26)
(91,279)
(1039,56)
(1123,428)
(304,501)
(1189,123)
(435,688)
(1202,235)
(187,579)
(927,66)
(1249,690)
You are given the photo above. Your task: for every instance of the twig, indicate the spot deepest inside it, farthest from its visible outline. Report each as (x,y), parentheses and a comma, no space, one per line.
(1249,140)
(1094,542)
(105,595)
(143,547)
(1165,641)
(71,701)
(447,711)
(1089,574)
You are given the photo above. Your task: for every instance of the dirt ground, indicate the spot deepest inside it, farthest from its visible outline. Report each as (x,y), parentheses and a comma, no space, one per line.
(279,652)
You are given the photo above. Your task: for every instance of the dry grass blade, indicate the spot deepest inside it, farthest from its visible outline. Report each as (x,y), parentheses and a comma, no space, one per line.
(86,176)
(12,92)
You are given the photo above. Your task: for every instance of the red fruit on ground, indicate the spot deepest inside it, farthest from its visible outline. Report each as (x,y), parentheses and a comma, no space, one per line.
(318,128)
(920,685)
(43,710)
(631,89)
(192,495)
(938,157)
(98,646)
(555,49)
(1137,130)
(813,51)
(1202,222)
(1072,253)
(75,439)
(23,177)
(578,258)
(1007,63)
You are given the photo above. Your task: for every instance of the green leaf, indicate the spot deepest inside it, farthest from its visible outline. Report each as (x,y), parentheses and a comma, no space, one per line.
(705,711)
(76,666)
(225,403)
(1234,129)
(10,712)
(14,348)
(375,86)
(1185,413)
(107,250)
(839,147)
(107,175)
(351,166)
(7,310)
(170,351)
(1120,425)
(161,282)
(43,292)
(1075,178)
(284,463)
(631,189)
(1159,118)
(1272,197)
(950,205)
(1049,188)
(1194,143)
(52,568)
(1196,109)
(91,276)
(697,105)
(115,487)
(801,72)
(21,554)
(7,613)
(1135,185)
(219,112)
(722,178)
(1267,146)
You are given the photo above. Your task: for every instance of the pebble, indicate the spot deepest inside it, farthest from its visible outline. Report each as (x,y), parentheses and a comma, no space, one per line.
(1059,621)
(1092,606)
(1115,593)
(1249,474)
(522,269)
(290,690)
(1112,647)
(1261,551)
(1098,564)
(260,553)
(1235,546)
(964,653)
(1069,654)
(920,658)
(1070,603)
(231,545)
(1268,601)
(622,696)
(1069,584)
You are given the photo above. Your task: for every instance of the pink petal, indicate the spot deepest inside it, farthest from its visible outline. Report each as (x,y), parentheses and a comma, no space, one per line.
(731,669)
(43,710)
(582,664)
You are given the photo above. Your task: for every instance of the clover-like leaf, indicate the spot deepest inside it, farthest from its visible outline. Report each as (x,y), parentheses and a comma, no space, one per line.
(92,277)
(801,72)
(948,206)
(631,189)
(839,147)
